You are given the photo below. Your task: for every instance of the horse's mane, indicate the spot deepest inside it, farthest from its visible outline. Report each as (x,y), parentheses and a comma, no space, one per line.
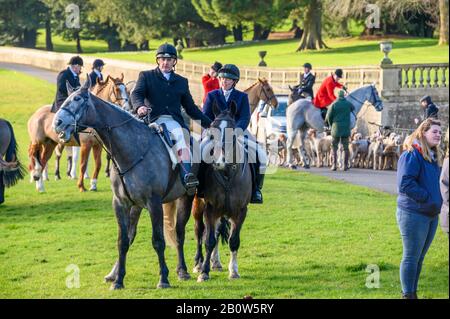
(255,84)
(116,108)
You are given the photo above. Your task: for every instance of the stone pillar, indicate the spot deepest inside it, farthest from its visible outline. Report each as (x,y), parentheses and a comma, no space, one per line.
(390,83)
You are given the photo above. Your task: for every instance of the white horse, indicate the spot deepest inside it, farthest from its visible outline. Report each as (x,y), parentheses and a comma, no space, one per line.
(302,114)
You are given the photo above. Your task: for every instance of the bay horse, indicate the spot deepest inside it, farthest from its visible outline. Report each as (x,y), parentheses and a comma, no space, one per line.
(261,90)
(302,115)
(44,140)
(143,176)
(11,170)
(227,191)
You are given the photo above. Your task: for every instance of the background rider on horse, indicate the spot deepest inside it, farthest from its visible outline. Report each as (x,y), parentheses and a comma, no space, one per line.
(325,95)
(71,75)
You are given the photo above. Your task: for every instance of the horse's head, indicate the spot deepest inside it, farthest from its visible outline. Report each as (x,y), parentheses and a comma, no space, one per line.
(119,93)
(76,113)
(222,135)
(267,94)
(112,90)
(294,95)
(364,94)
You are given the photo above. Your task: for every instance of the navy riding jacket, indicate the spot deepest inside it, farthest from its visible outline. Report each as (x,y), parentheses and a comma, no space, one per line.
(242,117)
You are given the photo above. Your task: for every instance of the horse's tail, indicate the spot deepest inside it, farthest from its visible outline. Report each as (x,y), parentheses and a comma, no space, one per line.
(170,221)
(11,177)
(223,230)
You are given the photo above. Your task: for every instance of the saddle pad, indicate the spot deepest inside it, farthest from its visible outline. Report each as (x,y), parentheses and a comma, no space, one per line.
(159,130)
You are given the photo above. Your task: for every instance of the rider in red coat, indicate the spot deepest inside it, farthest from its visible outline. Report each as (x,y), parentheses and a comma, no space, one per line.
(210,81)
(325,95)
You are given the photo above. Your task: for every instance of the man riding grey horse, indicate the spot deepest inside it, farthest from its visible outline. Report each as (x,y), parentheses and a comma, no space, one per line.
(165,92)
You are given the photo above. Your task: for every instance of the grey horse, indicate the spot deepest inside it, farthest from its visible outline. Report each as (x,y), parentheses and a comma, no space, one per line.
(11,170)
(227,190)
(302,114)
(143,176)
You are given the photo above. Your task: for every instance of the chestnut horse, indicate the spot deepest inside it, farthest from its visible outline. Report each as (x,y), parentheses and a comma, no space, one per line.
(44,140)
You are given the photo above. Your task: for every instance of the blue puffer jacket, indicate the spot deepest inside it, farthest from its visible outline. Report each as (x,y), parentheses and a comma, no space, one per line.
(418,184)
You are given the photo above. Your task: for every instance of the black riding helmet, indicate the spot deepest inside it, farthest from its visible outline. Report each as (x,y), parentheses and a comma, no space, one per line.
(98,63)
(166,51)
(76,60)
(230,71)
(339,73)
(216,66)
(307,65)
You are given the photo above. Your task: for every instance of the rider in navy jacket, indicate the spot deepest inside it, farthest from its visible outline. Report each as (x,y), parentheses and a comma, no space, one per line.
(243,108)
(223,97)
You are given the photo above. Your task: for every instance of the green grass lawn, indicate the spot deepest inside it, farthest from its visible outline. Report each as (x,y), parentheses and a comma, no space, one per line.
(281,53)
(313,237)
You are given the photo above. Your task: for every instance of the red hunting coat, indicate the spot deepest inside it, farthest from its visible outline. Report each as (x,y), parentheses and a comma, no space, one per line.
(209,84)
(325,96)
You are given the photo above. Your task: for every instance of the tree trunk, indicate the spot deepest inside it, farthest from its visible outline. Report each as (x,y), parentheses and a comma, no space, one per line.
(48,34)
(77,37)
(237,33)
(257,31)
(144,45)
(265,34)
(113,44)
(29,38)
(128,46)
(312,35)
(443,22)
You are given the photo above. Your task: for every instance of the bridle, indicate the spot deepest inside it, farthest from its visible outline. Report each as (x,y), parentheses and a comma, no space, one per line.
(266,95)
(119,98)
(79,128)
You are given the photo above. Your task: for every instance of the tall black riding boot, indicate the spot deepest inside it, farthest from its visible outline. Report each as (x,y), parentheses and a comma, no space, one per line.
(257,197)
(188,179)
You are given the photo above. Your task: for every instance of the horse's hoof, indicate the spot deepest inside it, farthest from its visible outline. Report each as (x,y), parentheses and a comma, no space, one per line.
(110,278)
(93,189)
(82,189)
(217,267)
(116,286)
(57,178)
(234,276)
(203,277)
(293,167)
(163,285)
(196,269)
(183,275)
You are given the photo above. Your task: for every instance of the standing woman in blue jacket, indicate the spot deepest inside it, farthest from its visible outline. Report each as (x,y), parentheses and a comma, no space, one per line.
(419,200)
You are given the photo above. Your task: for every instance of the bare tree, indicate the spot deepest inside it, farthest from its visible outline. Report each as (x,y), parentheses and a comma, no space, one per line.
(312,35)
(443,22)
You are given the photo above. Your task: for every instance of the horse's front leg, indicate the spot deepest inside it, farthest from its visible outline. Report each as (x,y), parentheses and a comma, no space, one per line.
(289,144)
(210,242)
(157,216)
(123,242)
(85,149)
(108,163)
(97,151)
(183,214)
(235,241)
(302,149)
(58,152)
(135,213)
(199,227)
